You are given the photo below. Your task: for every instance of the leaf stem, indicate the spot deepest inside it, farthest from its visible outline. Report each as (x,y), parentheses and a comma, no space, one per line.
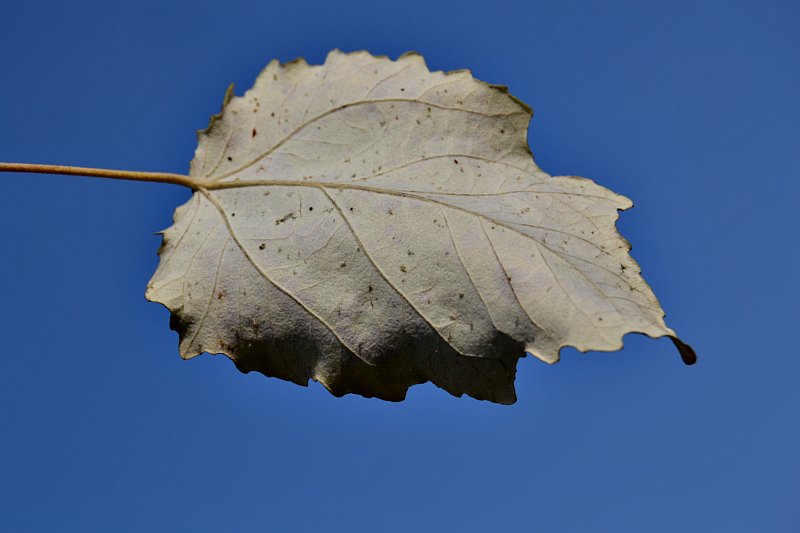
(157,177)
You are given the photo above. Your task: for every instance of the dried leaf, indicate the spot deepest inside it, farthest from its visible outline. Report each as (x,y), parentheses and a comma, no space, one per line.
(371,225)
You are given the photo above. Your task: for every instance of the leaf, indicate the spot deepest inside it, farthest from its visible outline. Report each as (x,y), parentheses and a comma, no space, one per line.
(372,225)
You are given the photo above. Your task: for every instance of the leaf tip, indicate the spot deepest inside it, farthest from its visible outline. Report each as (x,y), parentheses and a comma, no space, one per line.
(688,354)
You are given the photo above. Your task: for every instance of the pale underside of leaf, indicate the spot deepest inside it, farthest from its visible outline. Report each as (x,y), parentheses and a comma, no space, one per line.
(371,225)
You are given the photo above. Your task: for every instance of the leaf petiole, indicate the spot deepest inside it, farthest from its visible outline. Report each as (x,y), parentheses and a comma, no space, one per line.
(156,177)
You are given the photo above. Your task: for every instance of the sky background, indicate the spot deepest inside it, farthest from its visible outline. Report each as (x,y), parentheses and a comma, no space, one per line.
(689,108)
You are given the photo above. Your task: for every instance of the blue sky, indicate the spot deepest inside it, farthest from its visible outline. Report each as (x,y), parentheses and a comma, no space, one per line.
(688,108)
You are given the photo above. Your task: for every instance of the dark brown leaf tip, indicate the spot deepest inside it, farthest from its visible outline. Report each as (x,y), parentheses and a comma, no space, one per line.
(687,352)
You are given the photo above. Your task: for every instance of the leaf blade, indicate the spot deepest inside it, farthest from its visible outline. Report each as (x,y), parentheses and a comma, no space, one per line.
(397,219)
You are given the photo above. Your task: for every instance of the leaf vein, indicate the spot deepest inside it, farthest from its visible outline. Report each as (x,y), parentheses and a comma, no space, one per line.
(383,274)
(354,104)
(269,279)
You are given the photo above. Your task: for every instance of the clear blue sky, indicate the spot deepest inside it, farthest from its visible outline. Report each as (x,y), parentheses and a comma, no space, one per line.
(689,108)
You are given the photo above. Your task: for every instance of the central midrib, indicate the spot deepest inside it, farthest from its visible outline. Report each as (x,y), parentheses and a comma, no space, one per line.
(415,195)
